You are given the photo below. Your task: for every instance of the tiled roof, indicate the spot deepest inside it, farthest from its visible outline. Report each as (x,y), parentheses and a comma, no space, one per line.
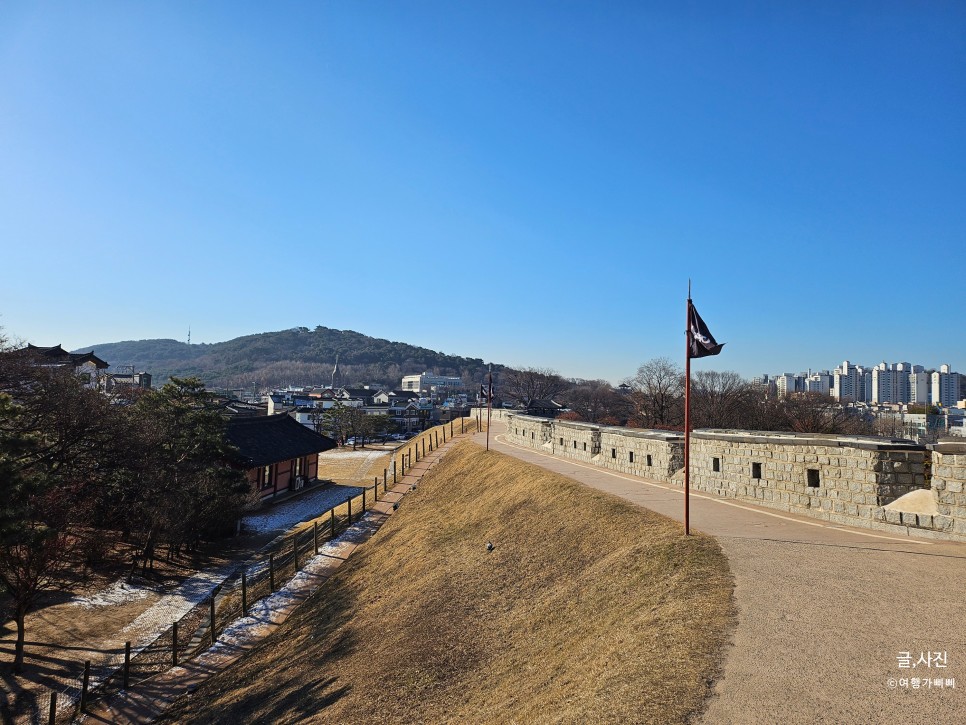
(60,355)
(266,439)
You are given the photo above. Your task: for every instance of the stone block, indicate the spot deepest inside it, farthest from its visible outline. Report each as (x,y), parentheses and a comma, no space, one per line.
(954,486)
(909,519)
(942,523)
(924,521)
(893,517)
(878,513)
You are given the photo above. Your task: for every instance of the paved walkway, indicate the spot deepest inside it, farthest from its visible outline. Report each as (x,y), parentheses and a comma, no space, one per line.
(824,611)
(147,700)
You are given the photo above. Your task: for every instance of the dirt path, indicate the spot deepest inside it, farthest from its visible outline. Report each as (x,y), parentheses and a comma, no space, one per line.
(826,613)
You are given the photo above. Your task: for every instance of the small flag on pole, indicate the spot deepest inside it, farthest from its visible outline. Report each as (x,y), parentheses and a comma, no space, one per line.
(701,342)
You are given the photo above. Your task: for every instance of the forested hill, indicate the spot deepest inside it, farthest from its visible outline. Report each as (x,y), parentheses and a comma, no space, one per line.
(299,356)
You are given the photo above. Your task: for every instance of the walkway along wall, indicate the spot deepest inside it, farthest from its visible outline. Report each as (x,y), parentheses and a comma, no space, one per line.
(844,479)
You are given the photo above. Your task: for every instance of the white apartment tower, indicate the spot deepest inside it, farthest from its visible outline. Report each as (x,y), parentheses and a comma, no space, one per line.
(785,384)
(945,387)
(819,383)
(851,383)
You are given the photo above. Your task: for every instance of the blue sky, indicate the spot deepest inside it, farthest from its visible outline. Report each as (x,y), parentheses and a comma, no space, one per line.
(559,170)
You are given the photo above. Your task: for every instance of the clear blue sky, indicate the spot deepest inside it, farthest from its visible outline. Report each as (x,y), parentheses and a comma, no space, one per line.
(560,169)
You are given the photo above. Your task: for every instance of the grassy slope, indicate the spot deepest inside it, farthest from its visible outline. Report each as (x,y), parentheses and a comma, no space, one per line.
(587,609)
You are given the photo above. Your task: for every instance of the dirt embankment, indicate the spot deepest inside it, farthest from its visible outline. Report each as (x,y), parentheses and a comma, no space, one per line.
(586,609)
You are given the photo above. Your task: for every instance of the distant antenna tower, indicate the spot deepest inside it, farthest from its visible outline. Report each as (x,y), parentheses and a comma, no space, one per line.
(336,374)
(189,334)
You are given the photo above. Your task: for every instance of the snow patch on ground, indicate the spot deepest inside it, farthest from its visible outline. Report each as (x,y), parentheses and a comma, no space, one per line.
(336,455)
(921,501)
(285,514)
(120,592)
(246,630)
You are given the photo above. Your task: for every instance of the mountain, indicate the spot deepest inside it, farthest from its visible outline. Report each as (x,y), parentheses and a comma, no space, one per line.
(298,356)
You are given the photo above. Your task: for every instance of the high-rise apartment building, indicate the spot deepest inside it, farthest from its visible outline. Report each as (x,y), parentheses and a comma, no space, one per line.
(945,387)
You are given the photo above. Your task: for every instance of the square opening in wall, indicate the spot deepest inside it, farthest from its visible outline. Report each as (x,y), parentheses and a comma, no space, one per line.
(575,444)
(756,470)
(650,462)
(813,478)
(632,456)
(613,453)
(585,446)
(716,465)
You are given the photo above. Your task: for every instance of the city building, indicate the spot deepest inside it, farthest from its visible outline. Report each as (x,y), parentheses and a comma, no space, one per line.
(945,387)
(427,383)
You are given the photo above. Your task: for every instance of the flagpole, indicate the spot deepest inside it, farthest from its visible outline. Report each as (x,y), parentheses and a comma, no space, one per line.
(687,414)
(489,406)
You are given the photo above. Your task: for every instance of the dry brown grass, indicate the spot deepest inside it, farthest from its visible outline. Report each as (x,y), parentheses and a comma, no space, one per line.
(587,610)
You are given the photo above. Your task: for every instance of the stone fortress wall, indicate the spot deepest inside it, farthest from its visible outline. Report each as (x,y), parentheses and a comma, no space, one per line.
(844,479)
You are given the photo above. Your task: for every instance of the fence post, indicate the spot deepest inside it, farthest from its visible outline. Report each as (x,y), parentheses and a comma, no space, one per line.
(424,447)
(393,473)
(52,715)
(384,478)
(375,485)
(174,644)
(271,573)
(85,685)
(244,594)
(436,435)
(127,665)
(461,424)
(451,429)
(363,502)
(315,534)
(333,523)
(211,617)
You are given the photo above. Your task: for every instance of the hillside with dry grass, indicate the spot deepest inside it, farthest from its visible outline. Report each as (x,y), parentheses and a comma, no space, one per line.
(587,609)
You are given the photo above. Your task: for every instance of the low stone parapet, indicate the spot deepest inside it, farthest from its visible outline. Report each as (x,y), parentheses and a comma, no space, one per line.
(844,479)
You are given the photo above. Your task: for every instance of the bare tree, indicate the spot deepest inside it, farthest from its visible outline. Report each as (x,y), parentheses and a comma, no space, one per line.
(594,400)
(658,394)
(720,399)
(528,384)
(818,413)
